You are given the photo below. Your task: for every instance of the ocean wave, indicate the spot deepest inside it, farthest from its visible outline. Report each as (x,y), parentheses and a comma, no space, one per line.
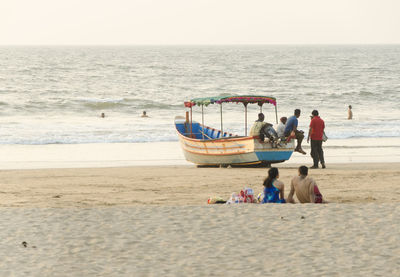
(104,105)
(355,146)
(87,140)
(101,104)
(366,93)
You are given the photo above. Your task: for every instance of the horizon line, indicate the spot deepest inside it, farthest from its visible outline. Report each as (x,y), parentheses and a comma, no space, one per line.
(217,44)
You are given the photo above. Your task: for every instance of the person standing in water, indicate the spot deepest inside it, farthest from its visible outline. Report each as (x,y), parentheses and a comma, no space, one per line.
(144,114)
(350,113)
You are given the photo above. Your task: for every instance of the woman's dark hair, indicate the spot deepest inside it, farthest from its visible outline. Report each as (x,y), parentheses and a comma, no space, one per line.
(272,174)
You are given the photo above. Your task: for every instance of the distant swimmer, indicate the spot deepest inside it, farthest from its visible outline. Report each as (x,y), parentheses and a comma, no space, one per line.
(144,114)
(350,113)
(102,115)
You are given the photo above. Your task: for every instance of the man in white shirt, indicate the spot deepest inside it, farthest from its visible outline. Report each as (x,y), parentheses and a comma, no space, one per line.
(281,127)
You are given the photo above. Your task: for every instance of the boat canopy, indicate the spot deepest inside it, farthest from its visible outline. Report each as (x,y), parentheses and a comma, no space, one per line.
(245,99)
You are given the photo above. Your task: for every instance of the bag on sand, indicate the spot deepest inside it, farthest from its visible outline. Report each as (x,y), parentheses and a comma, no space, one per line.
(245,196)
(248,195)
(235,199)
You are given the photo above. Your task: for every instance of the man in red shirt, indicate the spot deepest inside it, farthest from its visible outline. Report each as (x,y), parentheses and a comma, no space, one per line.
(316,133)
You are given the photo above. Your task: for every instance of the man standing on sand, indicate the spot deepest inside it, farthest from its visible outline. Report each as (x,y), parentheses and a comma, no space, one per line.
(305,187)
(291,126)
(316,132)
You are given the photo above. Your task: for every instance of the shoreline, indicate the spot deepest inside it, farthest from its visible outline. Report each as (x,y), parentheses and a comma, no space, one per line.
(369,150)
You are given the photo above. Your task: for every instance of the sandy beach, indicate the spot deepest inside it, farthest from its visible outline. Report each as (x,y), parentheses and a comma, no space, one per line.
(154,221)
(215,240)
(185,185)
(96,179)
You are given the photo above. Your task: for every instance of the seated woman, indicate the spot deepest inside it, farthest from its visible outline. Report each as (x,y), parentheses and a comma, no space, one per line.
(273,188)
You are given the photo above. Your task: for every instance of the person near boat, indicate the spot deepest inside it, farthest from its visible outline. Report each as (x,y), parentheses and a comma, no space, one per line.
(263,129)
(306,188)
(316,133)
(280,130)
(274,190)
(291,126)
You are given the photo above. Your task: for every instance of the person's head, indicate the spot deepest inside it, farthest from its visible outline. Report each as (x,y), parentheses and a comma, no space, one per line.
(303,170)
(350,107)
(260,117)
(144,112)
(297,113)
(284,119)
(273,174)
(314,113)
(103,115)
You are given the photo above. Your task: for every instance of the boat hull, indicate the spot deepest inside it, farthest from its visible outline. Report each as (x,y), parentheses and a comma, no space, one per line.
(233,150)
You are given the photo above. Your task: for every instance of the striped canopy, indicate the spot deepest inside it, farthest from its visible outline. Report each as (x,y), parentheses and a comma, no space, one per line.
(245,99)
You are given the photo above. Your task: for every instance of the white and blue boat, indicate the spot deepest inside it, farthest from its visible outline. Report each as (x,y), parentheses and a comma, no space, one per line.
(207,146)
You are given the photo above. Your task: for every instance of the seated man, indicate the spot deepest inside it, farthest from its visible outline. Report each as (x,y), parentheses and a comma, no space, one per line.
(305,187)
(263,129)
(291,126)
(280,130)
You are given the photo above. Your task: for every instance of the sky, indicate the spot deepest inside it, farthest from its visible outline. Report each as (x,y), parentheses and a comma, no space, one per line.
(171,22)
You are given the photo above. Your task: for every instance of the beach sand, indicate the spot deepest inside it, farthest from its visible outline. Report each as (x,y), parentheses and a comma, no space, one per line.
(154,221)
(186,185)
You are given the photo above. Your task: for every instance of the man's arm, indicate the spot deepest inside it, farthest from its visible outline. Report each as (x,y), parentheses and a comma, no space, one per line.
(290,197)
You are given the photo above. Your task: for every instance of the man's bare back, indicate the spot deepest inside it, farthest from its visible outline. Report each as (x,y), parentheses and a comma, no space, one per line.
(305,188)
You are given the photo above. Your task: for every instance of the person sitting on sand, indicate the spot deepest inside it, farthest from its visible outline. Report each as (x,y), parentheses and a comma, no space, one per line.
(263,129)
(274,190)
(305,187)
(291,126)
(144,114)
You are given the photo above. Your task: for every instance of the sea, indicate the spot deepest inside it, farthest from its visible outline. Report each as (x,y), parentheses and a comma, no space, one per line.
(56,94)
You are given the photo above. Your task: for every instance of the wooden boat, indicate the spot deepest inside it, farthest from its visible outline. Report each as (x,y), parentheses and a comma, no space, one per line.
(207,146)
